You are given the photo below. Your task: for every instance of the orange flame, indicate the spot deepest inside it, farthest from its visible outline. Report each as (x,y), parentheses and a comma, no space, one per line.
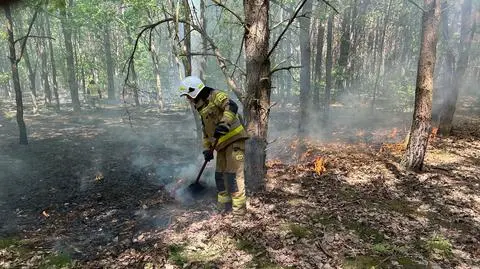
(319,165)
(433,135)
(393,134)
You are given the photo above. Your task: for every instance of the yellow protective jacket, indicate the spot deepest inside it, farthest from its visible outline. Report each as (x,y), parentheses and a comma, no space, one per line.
(218,108)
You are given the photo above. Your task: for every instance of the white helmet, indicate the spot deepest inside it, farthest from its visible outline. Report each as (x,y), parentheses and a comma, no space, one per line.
(191,86)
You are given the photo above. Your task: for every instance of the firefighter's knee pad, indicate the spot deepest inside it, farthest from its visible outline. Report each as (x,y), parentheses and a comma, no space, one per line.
(219,181)
(231,179)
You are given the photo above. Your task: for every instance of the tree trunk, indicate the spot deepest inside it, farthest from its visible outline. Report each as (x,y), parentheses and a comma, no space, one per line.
(203,59)
(318,65)
(72,81)
(466,36)
(188,40)
(109,62)
(52,62)
(31,79)
(422,115)
(328,72)
(44,73)
(305,58)
(344,54)
(258,90)
(447,78)
(16,80)
(380,52)
(158,78)
(134,81)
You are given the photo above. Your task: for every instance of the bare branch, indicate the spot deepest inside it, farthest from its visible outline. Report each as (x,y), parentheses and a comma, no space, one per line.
(330,5)
(132,55)
(238,58)
(35,36)
(286,20)
(417,5)
(24,44)
(216,52)
(215,55)
(290,21)
(218,3)
(284,68)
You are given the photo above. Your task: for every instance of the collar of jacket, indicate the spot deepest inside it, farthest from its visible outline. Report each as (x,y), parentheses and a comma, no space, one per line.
(202,103)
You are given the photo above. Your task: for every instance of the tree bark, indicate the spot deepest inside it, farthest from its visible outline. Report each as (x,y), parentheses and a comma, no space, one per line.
(318,64)
(16,80)
(344,53)
(72,81)
(466,35)
(421,125)
(258,90)
(447,79)
(188,40)
(305,61)
(44,71)
(158,78)
(52,62)
(109,62)
(31,78)
(328,72)
(203,59)
(379,65)
(134,81)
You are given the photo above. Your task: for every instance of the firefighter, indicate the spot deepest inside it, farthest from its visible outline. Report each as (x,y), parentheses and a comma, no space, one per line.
(221,125)
(94,93)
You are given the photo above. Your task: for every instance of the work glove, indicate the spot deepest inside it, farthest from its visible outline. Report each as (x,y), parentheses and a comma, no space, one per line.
(208,155)
(221,130)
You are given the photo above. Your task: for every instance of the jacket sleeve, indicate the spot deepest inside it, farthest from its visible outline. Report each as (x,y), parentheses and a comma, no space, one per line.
(228,106)
(206,142)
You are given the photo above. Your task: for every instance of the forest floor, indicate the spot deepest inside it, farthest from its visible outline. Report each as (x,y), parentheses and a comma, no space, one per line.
(94,190)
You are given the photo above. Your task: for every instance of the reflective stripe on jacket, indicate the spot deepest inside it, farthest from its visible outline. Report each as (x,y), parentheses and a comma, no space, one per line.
(216,109)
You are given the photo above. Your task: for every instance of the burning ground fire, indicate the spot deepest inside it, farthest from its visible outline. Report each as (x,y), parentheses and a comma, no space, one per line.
(311,158)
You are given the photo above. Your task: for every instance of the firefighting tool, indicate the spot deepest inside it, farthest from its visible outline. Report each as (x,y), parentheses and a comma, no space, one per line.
(196,187)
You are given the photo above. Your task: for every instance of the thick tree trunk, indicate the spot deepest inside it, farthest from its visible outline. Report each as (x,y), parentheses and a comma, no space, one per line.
(72,81)
(16,80)
(258,90)
(422,115)
(305,58)
(109,62)
(466,37)
(328,72)
(318,65)
(52,62)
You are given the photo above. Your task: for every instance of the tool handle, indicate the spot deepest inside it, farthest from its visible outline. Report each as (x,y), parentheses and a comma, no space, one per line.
(205,163)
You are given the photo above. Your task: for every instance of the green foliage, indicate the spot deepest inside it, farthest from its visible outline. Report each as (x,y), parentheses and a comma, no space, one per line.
(382,248)
(4,78)
(299,230)
(175,254)
(9,242)
(366,232)
(60,260)
(57,4)
(437,244)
